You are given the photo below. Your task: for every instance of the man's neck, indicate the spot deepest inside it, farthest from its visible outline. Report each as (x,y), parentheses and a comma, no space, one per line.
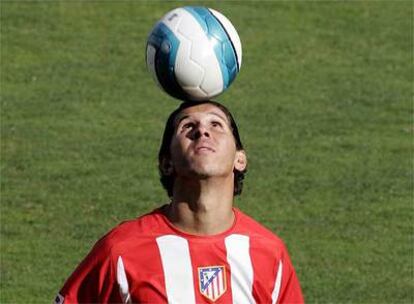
(202,207)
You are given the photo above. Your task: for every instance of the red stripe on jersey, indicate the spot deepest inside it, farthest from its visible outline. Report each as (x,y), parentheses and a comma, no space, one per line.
(144,271)
(265,259)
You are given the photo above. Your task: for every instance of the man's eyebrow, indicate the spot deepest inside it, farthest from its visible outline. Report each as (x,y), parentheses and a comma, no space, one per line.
(181,118)
(221,116)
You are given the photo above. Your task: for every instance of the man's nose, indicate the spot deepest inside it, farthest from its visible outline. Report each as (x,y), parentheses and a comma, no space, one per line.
(200,131)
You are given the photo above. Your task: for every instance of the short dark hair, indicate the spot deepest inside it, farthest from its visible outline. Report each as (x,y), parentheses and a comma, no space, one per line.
(167,181)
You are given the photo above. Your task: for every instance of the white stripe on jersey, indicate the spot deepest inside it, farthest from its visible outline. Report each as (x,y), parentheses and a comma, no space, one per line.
(241,268)
(122,282)
(178,273)
(276,289)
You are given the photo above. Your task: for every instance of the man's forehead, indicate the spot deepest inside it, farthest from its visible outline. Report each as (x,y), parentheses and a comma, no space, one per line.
(199,110)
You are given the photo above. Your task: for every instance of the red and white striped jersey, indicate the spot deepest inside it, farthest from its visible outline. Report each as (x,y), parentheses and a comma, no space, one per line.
(148,260)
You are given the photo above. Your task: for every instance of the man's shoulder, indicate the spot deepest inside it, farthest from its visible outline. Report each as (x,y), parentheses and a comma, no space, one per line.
(257,230)
(135,231)
(148,223)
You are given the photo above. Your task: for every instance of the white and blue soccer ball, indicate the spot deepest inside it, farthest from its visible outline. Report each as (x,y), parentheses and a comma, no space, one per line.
(194,53)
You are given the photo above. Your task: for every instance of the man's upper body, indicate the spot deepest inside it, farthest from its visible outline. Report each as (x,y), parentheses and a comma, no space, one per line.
(198,248)
(149,260)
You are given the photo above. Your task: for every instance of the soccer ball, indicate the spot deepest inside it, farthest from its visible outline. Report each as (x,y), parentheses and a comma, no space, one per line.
(194,53)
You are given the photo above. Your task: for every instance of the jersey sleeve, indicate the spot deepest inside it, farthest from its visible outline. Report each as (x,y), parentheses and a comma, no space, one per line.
(93,281)
(289,290)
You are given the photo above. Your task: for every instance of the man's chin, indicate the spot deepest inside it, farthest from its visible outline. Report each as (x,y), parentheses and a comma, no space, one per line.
(201,172)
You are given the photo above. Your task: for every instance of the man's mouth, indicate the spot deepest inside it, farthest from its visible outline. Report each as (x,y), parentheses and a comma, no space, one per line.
(204,149)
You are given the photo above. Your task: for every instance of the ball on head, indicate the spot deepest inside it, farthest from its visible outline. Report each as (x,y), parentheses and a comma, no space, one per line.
(194,53)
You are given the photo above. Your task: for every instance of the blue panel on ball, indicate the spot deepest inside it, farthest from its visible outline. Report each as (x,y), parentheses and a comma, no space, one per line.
(223,47)
(166,45)
(199,14)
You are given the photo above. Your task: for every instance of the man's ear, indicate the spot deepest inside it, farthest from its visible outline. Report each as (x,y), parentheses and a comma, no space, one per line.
(240,162)
(166,166)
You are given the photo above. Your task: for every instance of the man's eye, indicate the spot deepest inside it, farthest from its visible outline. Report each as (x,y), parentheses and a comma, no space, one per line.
(188,125)
(216,124)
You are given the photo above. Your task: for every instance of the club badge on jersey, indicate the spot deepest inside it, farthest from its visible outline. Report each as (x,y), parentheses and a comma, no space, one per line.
(212,281)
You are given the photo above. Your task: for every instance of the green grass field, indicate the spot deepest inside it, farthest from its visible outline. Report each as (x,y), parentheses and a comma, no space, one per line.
(323,102)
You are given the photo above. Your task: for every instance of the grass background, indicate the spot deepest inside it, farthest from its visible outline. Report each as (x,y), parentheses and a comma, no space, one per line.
(323,102)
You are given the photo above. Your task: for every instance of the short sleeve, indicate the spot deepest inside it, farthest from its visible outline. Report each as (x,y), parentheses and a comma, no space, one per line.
(289,290)
(93,281)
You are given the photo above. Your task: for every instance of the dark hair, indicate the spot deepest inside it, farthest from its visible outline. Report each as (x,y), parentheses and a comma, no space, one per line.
(167,181)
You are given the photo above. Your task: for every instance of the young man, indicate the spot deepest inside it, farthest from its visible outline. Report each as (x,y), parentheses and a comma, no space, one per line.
(198,248)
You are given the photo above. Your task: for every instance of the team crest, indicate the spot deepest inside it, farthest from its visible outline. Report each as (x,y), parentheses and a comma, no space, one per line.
(212,281)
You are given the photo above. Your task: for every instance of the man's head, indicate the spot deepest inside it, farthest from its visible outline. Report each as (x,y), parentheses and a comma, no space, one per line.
(201,139)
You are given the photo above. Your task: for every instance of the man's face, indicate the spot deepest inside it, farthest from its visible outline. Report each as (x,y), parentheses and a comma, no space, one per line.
(203,144)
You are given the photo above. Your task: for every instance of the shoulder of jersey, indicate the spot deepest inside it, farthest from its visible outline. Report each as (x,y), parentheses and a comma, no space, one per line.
(256,229)
(146,225)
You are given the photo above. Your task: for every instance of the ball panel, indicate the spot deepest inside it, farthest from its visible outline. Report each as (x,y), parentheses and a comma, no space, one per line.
(201,14)
(196,64)
(173,19)
(189,72)
(212,83)
(189,65)
(220,41)
(231,31)
(223,48)
(166,45)
(197,93)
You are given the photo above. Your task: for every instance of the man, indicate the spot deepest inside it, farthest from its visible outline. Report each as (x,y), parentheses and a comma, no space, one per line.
(197,248)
